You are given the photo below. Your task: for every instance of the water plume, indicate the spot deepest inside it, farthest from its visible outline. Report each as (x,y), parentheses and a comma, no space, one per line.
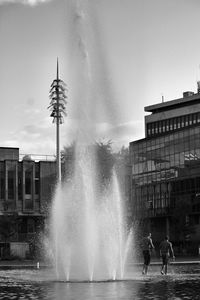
(88,227)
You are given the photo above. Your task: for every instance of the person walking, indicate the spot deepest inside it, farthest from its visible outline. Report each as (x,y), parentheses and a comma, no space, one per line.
(166,250)
(147,247)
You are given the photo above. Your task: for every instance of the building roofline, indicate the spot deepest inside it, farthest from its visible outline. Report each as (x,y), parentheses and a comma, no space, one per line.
(138,141)
(163,106)
(17,148)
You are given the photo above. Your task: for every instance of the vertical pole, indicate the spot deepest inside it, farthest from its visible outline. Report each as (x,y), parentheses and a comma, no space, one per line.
(58,169)
(57,107)
(58,160)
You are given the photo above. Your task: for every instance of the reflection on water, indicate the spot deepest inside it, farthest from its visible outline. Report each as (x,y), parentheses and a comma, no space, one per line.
(34,284)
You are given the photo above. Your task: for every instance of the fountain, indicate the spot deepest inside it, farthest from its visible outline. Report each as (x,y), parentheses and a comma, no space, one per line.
(89,238)
(88,227)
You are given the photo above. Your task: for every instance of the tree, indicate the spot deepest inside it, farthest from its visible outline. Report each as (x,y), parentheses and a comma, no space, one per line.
(68,161)
(104,160)
(27,157)
(122,168)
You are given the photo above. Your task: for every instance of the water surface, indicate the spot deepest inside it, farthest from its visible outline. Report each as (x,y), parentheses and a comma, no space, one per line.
(183,282)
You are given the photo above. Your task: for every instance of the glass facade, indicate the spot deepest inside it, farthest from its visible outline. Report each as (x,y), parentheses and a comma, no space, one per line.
(165,174)
(171,124)
(164,169)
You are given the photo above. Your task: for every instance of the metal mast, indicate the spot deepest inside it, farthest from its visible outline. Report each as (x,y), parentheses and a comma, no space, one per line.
(57,107)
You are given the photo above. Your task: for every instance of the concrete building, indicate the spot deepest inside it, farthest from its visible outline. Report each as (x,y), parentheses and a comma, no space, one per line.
(165,188)
(26,189)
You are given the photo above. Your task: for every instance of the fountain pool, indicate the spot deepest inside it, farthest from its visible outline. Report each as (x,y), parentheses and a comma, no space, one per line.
(183,282)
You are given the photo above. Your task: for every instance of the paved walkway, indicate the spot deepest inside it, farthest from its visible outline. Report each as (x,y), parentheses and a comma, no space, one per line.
(178,261)
(42,264)
(22,264)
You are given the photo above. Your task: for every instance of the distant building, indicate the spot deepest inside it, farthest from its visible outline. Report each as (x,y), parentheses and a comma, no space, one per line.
(26,190)
(165,189)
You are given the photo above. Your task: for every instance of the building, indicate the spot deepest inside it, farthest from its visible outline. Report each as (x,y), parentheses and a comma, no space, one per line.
(165,188)
(26,189)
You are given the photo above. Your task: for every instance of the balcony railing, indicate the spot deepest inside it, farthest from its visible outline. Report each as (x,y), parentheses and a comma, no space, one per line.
(37,157)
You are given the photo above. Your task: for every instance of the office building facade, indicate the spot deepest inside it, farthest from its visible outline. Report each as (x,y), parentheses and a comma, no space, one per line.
(26,191)
(165,188)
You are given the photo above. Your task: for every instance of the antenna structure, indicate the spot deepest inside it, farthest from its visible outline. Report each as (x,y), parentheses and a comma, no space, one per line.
(57,107)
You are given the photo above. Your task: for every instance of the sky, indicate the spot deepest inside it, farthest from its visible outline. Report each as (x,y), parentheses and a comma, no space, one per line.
(121,55)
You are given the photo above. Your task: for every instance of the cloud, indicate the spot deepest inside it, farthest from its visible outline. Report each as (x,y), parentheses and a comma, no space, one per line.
(120,134)
(40,137)
(127,131)
(33,138)
(25,2)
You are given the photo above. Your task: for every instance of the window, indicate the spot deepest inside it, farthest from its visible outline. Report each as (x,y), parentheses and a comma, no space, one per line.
(156,127)
(37,186)
(28,182)
(171,124)
(198,118)
(175,123)
(20,181)
(152,128)
(160,127)
(163,126)
(194,118)
(182,122)
(29,204)
(148,129)
(167,125)
(2,181)
(11,184)
(37,175)
(186,120)
(190,119)
(178,122)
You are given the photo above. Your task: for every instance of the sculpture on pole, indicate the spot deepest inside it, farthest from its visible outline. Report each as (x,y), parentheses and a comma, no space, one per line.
(57,106)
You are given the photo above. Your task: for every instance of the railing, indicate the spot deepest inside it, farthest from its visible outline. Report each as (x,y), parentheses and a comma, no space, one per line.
(37,157)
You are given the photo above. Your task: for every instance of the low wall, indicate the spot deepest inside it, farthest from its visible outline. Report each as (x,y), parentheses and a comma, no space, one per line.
(19,249)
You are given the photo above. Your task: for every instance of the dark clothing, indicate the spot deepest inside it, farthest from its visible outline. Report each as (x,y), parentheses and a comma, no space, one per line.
(165,251)
(147,246)
(165,259)
(147,257)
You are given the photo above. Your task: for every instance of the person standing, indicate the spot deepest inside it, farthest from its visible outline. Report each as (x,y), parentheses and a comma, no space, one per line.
(147,247)
(166,250)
